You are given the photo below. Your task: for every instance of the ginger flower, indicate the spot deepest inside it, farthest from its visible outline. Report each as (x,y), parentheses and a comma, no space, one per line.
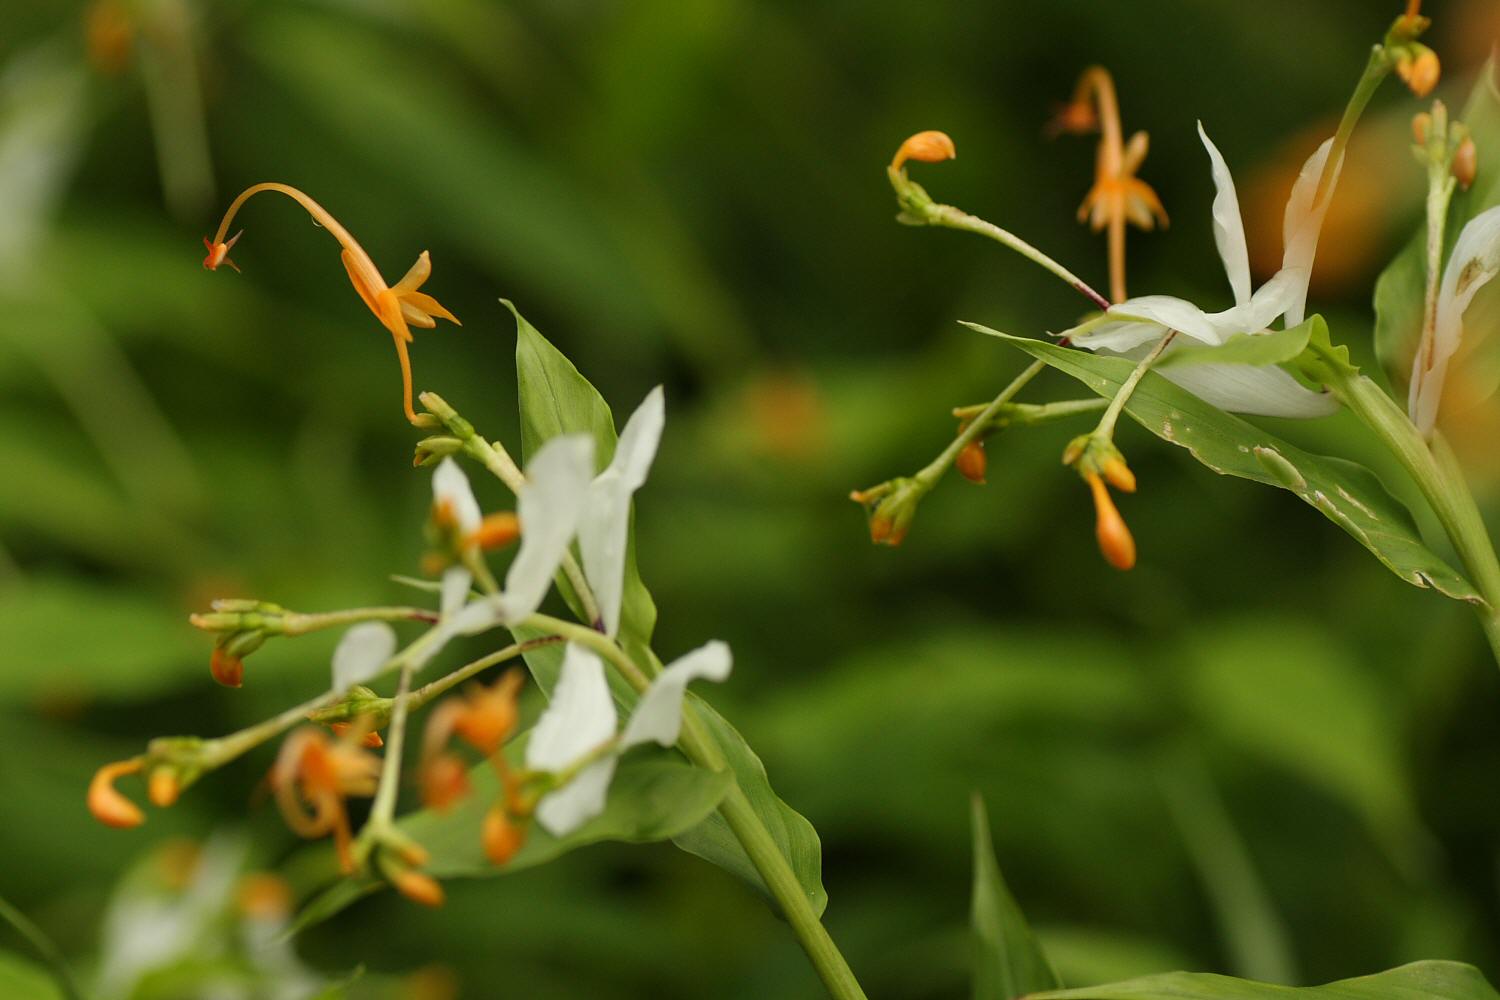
(398,307)
(484,718)
(1118,195)
(312,777)
(1129,328)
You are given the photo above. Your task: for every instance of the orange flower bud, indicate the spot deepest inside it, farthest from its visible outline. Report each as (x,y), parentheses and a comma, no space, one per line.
(228,670)
(972,462)
(1421,70)
(502,838)
(445,781)
(925,147)
(1421,127)
(370,740)
(489,714)
(418,888)
(264,896)
(162,787)
(105,801)
(1115,541)
(1118,474)
(1465,164)
(497,530)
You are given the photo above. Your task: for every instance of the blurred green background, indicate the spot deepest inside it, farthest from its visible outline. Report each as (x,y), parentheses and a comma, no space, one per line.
(1258,753)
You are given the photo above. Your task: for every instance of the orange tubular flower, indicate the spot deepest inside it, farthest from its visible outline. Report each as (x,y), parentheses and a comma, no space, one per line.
(1118,196)
(312,777)
(925,147)
(398,307)
(105,801)
(484,718)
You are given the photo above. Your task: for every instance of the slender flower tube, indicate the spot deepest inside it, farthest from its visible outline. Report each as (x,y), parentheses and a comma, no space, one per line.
(398,307)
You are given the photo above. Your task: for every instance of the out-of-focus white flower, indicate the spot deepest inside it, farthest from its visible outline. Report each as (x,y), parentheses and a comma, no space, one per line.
(1475,260)
(581,720)
(360,654)
(1131,327)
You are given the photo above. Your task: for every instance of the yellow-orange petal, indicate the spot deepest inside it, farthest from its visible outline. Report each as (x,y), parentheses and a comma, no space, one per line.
(925,147)
(502,838)
(105,801)
(429,307)
(418,887)
(370,739)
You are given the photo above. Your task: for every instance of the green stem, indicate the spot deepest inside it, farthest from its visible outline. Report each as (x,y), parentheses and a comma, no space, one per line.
(44,948)
(746,825)
(300,624)
(1106,428)
(383,812)
(1437,475)
(1376,69)
(1031,414)
(977,426)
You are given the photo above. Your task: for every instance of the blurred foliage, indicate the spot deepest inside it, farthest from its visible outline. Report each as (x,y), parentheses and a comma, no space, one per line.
(1260,750)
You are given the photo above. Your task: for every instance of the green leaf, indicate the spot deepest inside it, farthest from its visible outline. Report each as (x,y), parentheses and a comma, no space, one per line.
(1009,961)
(713,841)
(1346,493)
(22,979)
(557,399)
(1418,981)
(1273,348)
(1400,292)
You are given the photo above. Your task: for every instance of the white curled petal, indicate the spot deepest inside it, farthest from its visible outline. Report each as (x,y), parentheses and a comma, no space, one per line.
(450,486)
(361,653)
(658,715)
(1122,335)
(580,717)
(1475,260)
(1171,313)
(580,800)
(1270,301)
(1303,222)
(549,507)
(638,441)
(1264,391)
(455,590)
(1229,228)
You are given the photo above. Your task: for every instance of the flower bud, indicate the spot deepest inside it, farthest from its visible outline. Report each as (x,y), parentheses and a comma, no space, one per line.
(1418,66)
(1118,474)
(431,450)
(228,670)
(502,838)
(497,530)
(971,462)
(1465,163)
(1421,127)
(925,147)
(891,507)
(1115,541)
(418,887)
(445,780)
(163,786)
(105,801)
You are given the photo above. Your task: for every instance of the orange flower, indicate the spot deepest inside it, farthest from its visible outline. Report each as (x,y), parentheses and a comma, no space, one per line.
(925,147)
(311,778)
(484,718)
(398,307)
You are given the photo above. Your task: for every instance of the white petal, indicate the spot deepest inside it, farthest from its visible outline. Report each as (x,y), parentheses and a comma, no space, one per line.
(577,802)
(549,506)
(1269,302)
(1261,391)
(1122,335)
(1303,222)
(455,591)
(1475,260)
(580,717)
(1172,313)
(361,653)
(1229,228)
(604,531)
(658,715)
(451,486)
(637,446)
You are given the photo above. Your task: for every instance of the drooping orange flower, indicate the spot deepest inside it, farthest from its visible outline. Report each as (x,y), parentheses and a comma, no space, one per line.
(312,777)
(398,307)
(106,802)
(1118,196)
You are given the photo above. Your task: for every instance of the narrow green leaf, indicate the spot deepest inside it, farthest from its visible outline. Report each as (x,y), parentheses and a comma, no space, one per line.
(557,399)
(1347,494)
(1272,348)
(713,841)
(1417,981)
(1008,961)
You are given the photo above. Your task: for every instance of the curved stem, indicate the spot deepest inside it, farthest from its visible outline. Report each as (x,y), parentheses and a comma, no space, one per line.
(977,426)
(1106,428)
(1096,80)
(321,216)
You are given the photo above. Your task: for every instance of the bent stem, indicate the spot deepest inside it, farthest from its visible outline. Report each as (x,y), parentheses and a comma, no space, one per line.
(1106,428)
(746,825)
(981,422)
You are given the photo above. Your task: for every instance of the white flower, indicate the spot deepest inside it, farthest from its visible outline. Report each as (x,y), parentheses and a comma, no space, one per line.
(1131,327)
(360,654)
(1475,260)
(581,720)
